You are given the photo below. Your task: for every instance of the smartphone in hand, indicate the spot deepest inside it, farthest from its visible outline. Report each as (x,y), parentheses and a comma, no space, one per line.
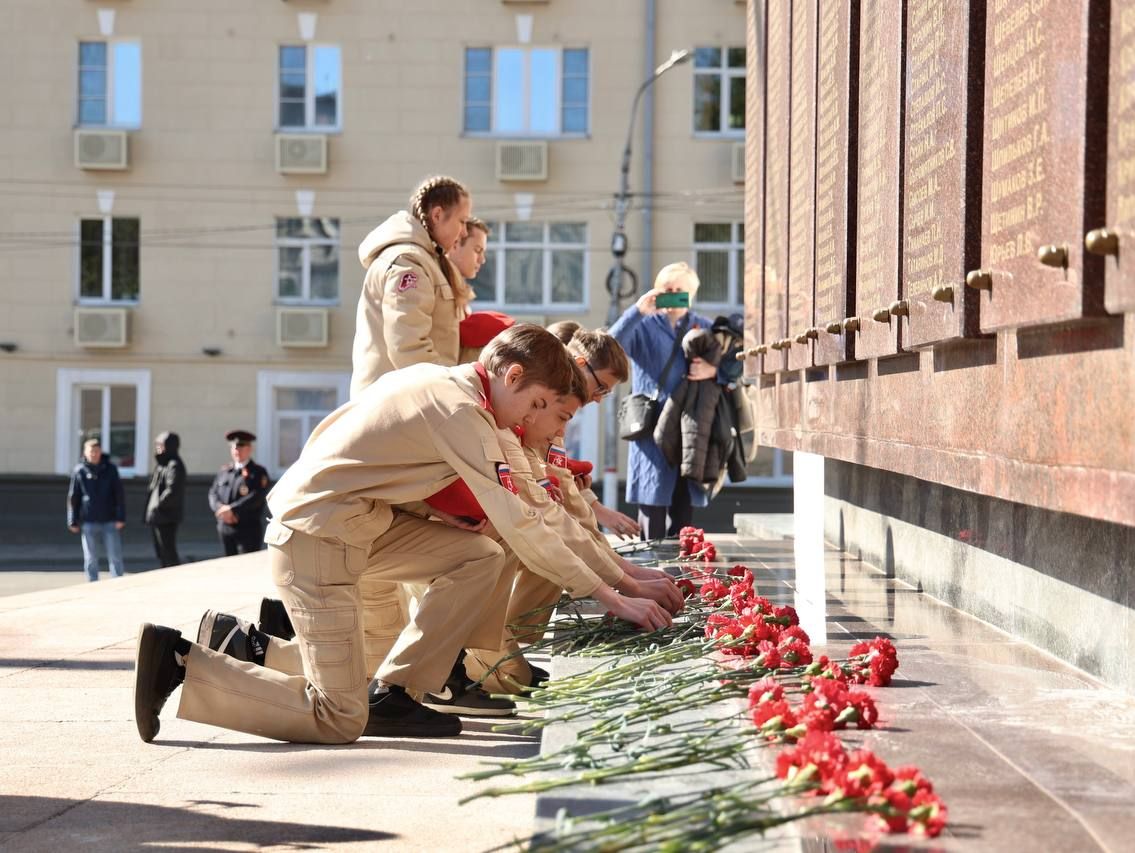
(679,299)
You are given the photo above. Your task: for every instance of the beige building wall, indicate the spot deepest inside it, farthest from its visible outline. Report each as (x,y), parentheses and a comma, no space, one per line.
(202,179)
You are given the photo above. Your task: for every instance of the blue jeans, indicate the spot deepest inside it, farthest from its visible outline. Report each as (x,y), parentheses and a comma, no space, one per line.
(94,536)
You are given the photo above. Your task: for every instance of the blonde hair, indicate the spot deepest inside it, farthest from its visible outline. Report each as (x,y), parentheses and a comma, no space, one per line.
(679,270)
(444,192)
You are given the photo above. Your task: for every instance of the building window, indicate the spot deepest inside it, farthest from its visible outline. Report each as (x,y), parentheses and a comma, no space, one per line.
(527,91)
(534,265)
(289,407)
(719,90)
(307,259)
(108,259)
(110,405)
(309,87)
(110,84)
(719,258)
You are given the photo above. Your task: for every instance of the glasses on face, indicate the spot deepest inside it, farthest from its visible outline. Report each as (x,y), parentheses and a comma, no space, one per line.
(601,390)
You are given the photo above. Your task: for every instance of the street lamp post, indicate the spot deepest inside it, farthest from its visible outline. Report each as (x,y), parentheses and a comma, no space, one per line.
(618,279)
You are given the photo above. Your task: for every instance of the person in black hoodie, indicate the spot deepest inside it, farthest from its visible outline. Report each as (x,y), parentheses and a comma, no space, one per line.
(96,508)
(165,502)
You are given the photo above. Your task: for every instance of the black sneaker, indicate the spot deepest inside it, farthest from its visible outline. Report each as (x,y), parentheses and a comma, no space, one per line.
(156,675)
(394,714)
(539,676)
(232,636)
(462,696)
(274,619)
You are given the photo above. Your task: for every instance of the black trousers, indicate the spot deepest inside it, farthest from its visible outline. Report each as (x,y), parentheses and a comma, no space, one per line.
(654,518)
(165,544)
(242,541)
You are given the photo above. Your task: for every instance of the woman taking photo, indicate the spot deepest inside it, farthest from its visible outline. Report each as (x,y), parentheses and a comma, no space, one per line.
(652,337)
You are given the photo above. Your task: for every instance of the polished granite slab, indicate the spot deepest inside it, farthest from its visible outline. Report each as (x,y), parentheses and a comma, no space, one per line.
(1028,752)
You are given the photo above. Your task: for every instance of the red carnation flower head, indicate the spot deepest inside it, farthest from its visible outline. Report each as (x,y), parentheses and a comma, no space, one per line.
(768,655)
(765,690)
(860,709)
(687,587)
(795,632)
(871,770)
(714,590)
(891,807)
(786,615)
(817,758)
(910,779)
(795,653)
(927,815)
(772,718)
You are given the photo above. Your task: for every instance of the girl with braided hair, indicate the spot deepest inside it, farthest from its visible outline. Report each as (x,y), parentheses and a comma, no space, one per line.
(413,298)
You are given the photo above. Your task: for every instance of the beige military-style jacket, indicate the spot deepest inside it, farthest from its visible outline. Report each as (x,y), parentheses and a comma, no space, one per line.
(400,440)
(607,563)
(408,312)
(561,519)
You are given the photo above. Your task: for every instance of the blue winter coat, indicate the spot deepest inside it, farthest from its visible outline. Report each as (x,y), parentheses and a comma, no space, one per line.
(648,341)
(95,494)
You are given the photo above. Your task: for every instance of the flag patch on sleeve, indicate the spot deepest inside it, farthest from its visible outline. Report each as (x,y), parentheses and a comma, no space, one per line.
(408,280)
(557,456)
(504,476)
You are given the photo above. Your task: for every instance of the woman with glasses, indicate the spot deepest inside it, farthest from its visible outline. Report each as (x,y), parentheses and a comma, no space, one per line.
(652,338)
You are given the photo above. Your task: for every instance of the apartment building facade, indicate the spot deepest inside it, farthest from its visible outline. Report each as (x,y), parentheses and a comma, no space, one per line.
(184,187)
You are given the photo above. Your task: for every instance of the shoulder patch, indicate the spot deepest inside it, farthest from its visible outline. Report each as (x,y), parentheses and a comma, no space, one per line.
(408,280)
(504,477)
(557,456)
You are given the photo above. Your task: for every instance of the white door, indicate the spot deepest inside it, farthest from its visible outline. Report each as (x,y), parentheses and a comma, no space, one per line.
(110,405)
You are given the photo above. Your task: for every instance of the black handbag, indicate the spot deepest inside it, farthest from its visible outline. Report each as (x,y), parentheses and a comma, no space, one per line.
(638,413)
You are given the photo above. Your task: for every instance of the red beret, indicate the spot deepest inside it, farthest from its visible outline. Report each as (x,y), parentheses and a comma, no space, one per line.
(480,327)
(457,499)
(579,467)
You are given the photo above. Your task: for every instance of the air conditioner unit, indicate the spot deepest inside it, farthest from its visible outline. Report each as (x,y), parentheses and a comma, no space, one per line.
(301,327)
(100,149)
(301,153)
(738,162)
(101,327)
(522,161)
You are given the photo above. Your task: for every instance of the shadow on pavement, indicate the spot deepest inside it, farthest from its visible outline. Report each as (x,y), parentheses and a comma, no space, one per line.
(168,825)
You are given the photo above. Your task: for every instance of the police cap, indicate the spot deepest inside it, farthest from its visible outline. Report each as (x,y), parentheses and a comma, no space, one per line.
(240,436)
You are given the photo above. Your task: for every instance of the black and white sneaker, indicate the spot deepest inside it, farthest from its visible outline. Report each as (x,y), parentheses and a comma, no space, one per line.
(274,619)
(232,636)
(460,695)
(539,676)
(157,674)
(393,713)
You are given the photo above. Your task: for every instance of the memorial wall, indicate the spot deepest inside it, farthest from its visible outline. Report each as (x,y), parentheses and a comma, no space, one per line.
(940,243)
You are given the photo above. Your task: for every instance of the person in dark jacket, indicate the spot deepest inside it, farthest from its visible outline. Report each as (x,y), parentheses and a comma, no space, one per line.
(165,502)
(237,497)
(649,335)
(685,426)
(96,509)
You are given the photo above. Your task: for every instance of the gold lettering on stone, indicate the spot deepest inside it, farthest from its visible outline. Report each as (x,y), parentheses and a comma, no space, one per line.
(1018,140)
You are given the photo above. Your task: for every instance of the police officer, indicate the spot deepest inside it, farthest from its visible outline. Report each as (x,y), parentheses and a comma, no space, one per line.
(237,497)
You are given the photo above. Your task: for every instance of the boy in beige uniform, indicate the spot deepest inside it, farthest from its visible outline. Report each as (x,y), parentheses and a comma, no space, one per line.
(410,434)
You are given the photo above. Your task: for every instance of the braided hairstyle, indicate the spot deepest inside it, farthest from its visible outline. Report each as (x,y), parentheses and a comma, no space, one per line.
(445,192)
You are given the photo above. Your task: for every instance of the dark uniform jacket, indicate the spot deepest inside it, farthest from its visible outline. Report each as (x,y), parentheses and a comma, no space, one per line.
(244,489)
(165,501)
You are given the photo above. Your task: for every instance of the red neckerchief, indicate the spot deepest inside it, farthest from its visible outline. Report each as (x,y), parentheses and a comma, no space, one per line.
(484,374)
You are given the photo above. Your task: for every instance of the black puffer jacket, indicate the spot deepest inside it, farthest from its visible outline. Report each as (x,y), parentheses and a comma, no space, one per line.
(685,427)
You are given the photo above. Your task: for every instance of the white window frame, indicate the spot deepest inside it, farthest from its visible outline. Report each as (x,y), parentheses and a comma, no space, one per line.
(108,94)
(736,245)
(496,246)
(309,125)
(68,381)
(725,74)
(559,132)
(107,297)
(267,381)
(305,244)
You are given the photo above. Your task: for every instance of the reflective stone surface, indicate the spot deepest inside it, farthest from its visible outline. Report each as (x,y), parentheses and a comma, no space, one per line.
(754,183)
(1119,268)
(878,192)
(802,183)
(942,175)
(1044,138)
(837,81)
(777,112)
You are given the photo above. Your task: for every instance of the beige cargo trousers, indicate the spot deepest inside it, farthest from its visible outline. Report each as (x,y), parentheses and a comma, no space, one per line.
(319,581)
